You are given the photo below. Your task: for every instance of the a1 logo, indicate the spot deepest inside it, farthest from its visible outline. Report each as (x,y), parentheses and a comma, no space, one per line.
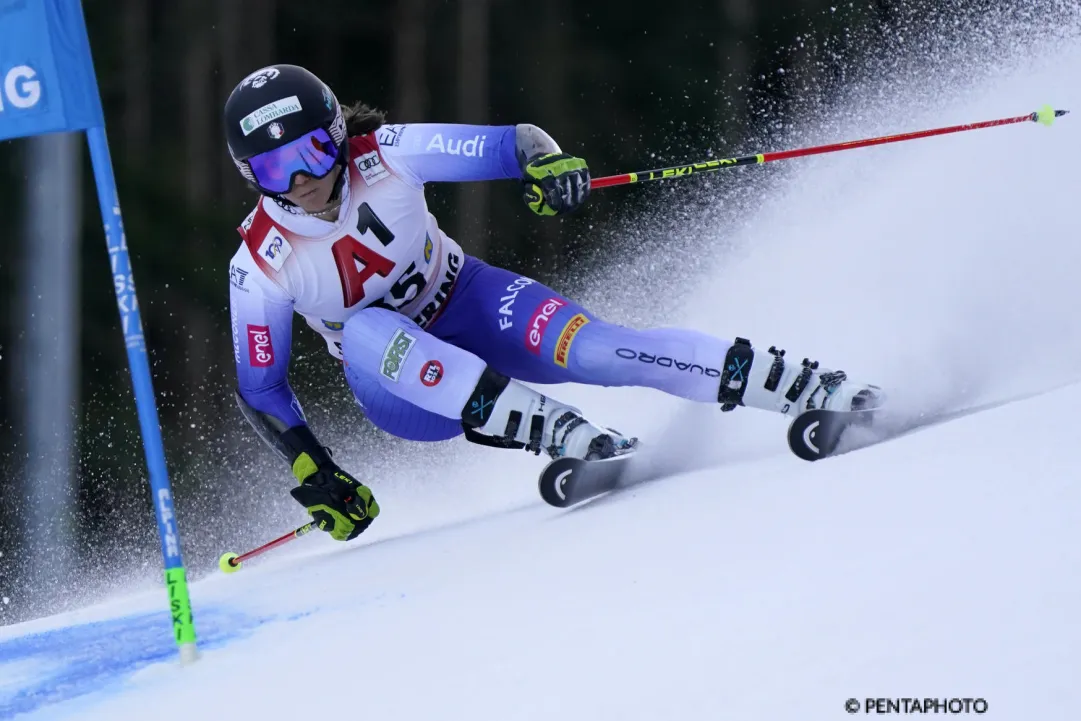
(21,88)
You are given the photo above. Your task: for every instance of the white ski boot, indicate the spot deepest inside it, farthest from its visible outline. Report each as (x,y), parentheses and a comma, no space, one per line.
(519,417)
(765,380)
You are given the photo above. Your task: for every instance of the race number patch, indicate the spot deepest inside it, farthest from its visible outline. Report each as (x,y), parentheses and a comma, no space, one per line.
(395,353)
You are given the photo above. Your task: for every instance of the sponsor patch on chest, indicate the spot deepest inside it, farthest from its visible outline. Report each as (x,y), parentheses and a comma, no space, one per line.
(371,168)
(275,249)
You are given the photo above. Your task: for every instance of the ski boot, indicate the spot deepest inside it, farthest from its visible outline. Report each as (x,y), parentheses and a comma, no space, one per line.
(507,414)
(765,380)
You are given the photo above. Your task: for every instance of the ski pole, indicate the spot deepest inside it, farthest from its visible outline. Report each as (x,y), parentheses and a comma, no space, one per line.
(230,562)
(1045,115)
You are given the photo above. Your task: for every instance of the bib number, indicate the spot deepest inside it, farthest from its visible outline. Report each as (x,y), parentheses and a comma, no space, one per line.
(349,252)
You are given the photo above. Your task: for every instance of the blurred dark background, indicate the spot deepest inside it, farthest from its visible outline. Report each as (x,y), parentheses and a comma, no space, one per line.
(626,85)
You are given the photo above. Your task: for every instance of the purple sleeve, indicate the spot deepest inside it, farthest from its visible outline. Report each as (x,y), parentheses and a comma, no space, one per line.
(438,152)
(261,316)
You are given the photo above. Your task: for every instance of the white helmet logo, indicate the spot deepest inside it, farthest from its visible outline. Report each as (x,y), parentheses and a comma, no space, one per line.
(260,77)
(276,130)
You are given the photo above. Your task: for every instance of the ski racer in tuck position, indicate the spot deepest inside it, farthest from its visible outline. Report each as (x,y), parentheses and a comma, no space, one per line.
(436,343)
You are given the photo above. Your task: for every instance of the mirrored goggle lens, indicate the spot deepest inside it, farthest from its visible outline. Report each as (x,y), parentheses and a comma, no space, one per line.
(313,153)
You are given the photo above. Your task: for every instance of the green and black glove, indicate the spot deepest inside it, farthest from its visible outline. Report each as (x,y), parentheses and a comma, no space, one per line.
(555,183)
(337,502)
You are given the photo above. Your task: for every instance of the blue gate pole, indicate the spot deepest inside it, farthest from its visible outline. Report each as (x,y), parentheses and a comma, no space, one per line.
(48,85)
(131,325)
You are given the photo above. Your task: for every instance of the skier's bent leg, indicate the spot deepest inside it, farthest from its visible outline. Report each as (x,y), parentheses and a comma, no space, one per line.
(701,367)
(398,416)
(528,331)
(408,383)
(417,386)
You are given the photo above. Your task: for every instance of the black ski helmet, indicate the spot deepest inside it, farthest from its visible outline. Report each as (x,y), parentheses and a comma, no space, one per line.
(274,106)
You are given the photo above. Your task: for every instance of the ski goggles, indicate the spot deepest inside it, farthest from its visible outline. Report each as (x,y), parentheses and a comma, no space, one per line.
(313,153)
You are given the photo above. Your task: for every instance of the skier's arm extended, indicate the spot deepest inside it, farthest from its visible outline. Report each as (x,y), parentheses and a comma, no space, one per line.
(554,181)
(261,315)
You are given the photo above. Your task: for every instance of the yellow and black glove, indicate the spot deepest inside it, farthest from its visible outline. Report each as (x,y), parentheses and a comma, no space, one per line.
(555,183)
(340,504)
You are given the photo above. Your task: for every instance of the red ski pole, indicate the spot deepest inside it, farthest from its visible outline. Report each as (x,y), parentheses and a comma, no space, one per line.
(230,562)
(1045,115)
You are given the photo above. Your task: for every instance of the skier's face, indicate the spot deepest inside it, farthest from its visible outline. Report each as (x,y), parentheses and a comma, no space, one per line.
(313,195)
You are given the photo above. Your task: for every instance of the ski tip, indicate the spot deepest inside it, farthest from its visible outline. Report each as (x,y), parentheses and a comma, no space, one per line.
(228,563)
(557,480)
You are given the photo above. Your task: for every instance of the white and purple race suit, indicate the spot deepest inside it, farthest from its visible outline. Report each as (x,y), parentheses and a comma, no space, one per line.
(413,318)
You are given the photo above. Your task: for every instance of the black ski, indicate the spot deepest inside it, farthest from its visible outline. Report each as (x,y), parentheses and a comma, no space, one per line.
(819,434)
(816,434)
(567,481)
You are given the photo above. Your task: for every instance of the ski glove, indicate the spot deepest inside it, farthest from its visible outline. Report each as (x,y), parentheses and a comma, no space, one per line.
(340,504)
(555,183)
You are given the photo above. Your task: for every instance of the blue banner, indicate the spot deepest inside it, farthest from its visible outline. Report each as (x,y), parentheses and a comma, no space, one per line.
(47,81)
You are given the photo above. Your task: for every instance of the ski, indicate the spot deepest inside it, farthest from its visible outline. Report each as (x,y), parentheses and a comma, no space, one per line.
(819,434)
(567,481)
(816,434)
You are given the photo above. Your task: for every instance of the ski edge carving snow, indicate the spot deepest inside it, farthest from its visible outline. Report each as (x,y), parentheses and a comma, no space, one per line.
(817,434)
(567,481)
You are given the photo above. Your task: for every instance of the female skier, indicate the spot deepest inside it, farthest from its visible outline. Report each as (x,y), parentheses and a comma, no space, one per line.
(435,342)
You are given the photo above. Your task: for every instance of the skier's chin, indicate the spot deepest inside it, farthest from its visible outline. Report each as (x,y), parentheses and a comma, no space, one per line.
(314,203)
(314,196)
(312,200)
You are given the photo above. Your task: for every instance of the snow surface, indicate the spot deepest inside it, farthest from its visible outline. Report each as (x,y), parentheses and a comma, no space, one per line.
(940,565)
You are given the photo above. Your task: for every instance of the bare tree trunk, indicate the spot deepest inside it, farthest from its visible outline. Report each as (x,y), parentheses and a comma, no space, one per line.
(137,88)
(473,56)
(246,42)
(199,191)
(736,55)
(553,95)
(411,90)
(49,355)
(259,39)
(234,65)
(199,107)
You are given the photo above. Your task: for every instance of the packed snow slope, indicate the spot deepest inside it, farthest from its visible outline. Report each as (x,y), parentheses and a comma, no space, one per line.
(939,565)
(750,585)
